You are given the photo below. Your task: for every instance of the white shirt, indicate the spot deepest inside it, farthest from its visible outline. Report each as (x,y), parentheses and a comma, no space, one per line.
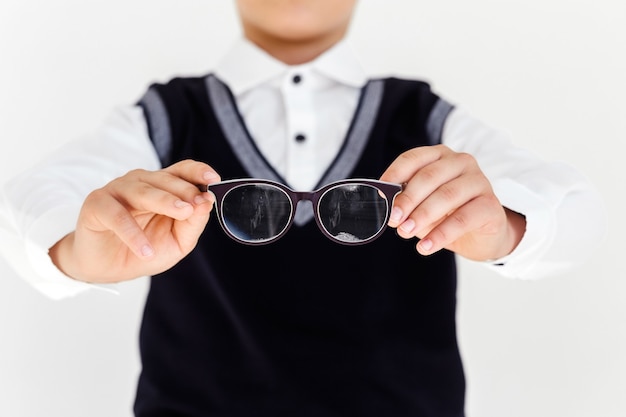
(299,127)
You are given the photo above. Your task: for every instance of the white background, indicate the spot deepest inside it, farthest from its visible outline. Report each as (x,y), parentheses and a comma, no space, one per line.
(549,71)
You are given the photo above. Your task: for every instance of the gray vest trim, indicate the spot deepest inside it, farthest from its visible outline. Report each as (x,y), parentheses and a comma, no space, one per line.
(159,123)
(257,166)
(436,121)
(236,134)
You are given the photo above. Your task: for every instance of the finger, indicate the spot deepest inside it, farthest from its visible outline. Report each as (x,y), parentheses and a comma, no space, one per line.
(110,215)
(194,172)
(154,192)
(408,163)
(164,192)
(422,185)
(188,232)
(141,197)
(473,216)
(440,203)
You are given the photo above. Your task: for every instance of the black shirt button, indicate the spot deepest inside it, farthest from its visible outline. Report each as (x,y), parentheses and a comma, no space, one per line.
(300,137)
(296,79)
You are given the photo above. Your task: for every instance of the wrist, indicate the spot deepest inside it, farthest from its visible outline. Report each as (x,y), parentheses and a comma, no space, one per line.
(516,227)
(60,254)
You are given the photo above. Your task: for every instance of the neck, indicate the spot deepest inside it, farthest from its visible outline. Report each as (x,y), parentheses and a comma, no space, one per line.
(296,51)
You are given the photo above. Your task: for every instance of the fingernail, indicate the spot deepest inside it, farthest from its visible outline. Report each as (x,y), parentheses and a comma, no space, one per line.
(147,250)
(407,226)
(396,214)
(181,204)
(199,199)
(210,175)
(426,244)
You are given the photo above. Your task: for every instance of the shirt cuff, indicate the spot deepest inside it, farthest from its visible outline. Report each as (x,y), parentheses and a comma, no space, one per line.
(43,234)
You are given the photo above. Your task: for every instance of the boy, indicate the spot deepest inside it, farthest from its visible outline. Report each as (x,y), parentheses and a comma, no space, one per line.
(300,326)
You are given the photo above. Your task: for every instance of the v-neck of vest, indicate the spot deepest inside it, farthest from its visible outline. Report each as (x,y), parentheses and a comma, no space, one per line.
(244,147)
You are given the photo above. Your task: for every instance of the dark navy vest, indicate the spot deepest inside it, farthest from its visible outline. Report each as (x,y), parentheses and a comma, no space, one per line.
(301,327)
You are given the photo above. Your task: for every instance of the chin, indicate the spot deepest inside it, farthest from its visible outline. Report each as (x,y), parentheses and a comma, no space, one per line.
(298,32)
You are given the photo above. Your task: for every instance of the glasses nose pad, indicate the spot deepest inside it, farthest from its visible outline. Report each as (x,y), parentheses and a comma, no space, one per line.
(304,212)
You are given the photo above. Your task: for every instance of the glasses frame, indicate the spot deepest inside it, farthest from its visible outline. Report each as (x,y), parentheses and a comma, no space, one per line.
(221,189)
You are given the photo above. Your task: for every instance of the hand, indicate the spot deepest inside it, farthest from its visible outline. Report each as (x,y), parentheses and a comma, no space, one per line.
(140,224)
(448,202)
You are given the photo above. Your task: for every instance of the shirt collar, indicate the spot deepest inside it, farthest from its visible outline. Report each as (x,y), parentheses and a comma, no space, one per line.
(339,63)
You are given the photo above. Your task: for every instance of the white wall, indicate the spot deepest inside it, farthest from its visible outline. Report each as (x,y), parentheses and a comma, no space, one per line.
(551,72)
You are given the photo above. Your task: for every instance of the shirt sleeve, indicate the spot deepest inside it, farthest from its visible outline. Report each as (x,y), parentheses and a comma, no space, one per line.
(565,214)
(41,205)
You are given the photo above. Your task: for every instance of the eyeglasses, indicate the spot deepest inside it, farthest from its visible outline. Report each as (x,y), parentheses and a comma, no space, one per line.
(258,211)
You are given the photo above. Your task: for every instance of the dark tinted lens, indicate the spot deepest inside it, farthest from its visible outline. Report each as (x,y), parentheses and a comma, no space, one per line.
(256,212)
(353,212)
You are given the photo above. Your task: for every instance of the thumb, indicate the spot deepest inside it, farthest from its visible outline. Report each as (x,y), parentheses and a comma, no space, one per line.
(188,231)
